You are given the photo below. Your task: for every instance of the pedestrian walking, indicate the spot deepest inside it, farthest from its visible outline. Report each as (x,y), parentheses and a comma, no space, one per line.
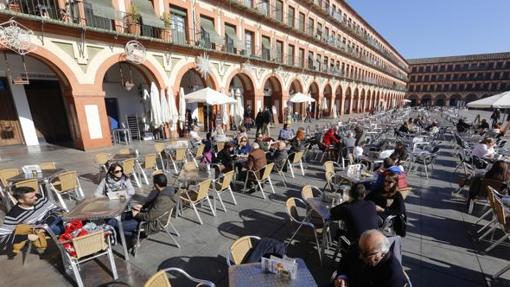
(496,115)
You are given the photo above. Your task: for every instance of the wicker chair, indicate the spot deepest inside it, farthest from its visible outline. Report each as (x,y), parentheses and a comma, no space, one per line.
(125,151)
(66,183)
(164,222)
(150,162)
(296,160)
(198,154)
(160,279)
(239,249)
(178,158)
(266,177)
(222,185)
(47,165)
(101,161)
(160,150)
(129,170)
(5,174)
(195,197)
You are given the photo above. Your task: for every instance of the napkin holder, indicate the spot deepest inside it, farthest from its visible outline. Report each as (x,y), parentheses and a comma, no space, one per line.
(285,267)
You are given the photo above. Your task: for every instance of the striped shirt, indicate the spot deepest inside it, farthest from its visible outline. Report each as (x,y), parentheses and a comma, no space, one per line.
(19,215)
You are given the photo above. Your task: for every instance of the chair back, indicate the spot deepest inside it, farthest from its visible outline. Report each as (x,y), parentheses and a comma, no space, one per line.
(292,209)
(47,165)
(203,189)
(220,146)
(267,171)
(129,166)
(159,147)
(167,217)
(308,191)
(32,183)
(180,154)
(102,158)
(200,151)
(298,156)
(7,173)
(89,244)
(227,180)
(500,210)
(124,151)
(160,279)
(329,166)
(67,181)
(189,166)
(150,161)
(240,248)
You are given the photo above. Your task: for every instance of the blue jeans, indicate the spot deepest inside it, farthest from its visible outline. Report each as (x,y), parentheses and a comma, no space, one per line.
(57,226)
(129,224)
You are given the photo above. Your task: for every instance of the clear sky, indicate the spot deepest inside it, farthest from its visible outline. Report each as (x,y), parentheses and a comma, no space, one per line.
(433,28)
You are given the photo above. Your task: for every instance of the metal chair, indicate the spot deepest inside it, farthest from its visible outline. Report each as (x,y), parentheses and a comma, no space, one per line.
(266,177)
(66,183)
(501,216)
(160,279)
(240,248)
(178,158)
(164,222)
(222,185)
(198,154)
(296,160)
(47,165)
(128,166)
(5,174)
(195,197)
(160,150)
(101,160)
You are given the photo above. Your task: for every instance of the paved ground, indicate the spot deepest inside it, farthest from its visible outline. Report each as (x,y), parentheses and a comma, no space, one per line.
(438,249)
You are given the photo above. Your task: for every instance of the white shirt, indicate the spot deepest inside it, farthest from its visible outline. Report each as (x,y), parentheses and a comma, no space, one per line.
(357,152)
(482,150)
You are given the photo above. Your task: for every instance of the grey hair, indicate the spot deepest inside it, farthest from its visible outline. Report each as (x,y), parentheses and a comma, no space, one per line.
(384,245)
(255,145)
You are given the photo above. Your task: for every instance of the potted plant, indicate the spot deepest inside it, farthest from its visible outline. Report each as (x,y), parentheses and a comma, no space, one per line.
(14,6)
(133,21)
(167,21)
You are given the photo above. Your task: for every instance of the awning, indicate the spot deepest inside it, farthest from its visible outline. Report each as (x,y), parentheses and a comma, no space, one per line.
(103,8)
(266,43)
(208,26)
(230,31)
(179,12)
(148,14)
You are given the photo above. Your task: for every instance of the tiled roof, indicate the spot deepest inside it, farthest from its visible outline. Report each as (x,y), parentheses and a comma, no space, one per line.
(475,57)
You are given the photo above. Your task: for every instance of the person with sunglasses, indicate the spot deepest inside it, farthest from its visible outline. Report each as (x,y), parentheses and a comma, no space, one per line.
(115,180)
(370,263)
(244,147)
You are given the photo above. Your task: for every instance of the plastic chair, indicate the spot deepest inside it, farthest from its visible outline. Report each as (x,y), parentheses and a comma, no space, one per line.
(128,166)
(222,185)
(164,222)
(198,153)
(5,174)
(266,177)
(66,183)
(178,158)
(160,279)
(239,249)
(101,160)
(195,197)
(297,160)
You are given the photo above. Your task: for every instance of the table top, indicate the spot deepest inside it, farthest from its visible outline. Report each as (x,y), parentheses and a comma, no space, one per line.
(43,175)
(195,175)
(251,274)
(355,179)
(320,207)
(119,157)
(97,208)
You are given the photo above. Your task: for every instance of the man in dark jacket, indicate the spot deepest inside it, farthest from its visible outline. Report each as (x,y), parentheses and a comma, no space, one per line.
(161,200)
(370,264)
(259,121)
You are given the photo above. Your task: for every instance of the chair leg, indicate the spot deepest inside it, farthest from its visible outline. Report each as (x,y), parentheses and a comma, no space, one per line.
(483,216)
(175,167)
(261,189)
(486,225)
(291,170)
(232,194)
(112,263)
(172,237)
(319,248)
(136,179)
(211,206)
(503,238)
(77,275)
(271,184)
(294,234)
(302,169)
(196,212)
(162,162)
(61,200)
(283,178)
(221,202)
(471,206)
(175,230)
(493,228)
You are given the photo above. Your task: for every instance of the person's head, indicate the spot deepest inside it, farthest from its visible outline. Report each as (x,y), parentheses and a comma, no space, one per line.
(25,195)
(497,126)
(281,145)
(160,181)
(243,141)
(229,146)
(488,141)
(358,192)
(399,146)
(388,162)
(285,126)
(390,184)
(242,130)
(256,146)
(405,124)
(498,171)
(300,134)
(115,170)
(373,246)
(484,121)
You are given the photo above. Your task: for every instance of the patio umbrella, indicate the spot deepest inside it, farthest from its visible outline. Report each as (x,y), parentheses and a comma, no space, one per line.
(208,96)
(155,106)
(301,98)
(497,101)
(174,114)
(333,108)
(239,111)
(182,109)
(406,101)
(165,109)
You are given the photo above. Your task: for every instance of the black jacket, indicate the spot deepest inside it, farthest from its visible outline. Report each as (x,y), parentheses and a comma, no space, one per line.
(225,158)
(160,204)
(397,207)
(359,216)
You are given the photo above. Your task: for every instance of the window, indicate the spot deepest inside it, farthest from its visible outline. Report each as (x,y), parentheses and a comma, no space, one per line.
(450,68)
(494,87)
(448,77)
(279,51)
(248,42)
(434,68)
(310,60)
(413,78)
(420,70)
(301,57)
(433,77)
(263,7)
(290,55)
(231,41)
(318,61)
(310,29)
(178,16)
(301,23)
(266,48)
(208,36)
(491,65)
(278,13)
(427,69)
(319,31)
(325,64)
(291,16)
(426,78)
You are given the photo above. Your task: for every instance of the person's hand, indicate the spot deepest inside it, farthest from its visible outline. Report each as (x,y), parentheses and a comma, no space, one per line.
(137,206)
(33,237)
(340,282)
(135,212)
(379,209)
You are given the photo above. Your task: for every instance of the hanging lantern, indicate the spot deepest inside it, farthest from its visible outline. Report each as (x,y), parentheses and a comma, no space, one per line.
(16,37)
(203,65)
(135,52)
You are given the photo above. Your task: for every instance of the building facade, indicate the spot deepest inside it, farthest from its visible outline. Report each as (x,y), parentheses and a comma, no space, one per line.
(78,83)
(455,81)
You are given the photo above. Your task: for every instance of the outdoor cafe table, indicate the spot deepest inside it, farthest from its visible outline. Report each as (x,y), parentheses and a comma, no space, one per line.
(355,179)
(122,157)
(101,209)
(251,274)
(43,177)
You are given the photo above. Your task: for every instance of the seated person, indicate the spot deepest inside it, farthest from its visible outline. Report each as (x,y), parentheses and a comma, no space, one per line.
(330,138)
(286,133)
(115,180)
(194,137)
(359,135)
(224,158)
(484,125)
(161,200)
(256,160)
(279,156)
(462,126)
(399,153)
(358,214)
(495,131)
(358,150)
(264,141)
(31,209)
(370,264)
(388,199)
(497,177)
(241,133)
(244,147)
(298,142)
(404,128)
(387,167)
(349,140)
(484,149)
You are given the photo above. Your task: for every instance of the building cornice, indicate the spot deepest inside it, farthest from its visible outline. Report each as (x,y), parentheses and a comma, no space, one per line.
(461,58)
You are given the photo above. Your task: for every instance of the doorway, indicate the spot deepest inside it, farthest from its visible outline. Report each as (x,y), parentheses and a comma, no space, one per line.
(10,129)
(112,111)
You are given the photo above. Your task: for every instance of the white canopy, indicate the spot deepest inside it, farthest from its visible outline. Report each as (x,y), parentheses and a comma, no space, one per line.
(239,108)
(497,101)
(406,101)
(174,114)
(155,106)
(208,96)
(301,98)
(182,108)
(165,109)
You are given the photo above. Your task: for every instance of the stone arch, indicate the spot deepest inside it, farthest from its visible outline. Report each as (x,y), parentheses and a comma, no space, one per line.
(362,101)
(295,83)
(455,100)
(471,97)
(328,96)
(339,100)
(211,80)
(414,100)
(426,100)
(440,100)
(355,101)
(313,90)
(272,93)
(246,90)
(348,101)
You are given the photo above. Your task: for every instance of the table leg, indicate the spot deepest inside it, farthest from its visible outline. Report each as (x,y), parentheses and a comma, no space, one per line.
(324,240)
(122,237)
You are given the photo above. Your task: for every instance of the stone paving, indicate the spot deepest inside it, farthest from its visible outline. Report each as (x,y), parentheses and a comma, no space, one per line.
(438,249)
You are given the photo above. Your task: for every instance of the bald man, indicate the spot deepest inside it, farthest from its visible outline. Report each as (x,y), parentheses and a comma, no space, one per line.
(371,264)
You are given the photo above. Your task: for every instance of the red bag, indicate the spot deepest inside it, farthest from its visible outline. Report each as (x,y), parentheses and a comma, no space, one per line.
(72,229)
(402,181)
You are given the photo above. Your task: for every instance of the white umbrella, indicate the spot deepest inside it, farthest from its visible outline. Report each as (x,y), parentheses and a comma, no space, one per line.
(239,107)
(497,101)
(301,98)
(155,106)
(182,108)
(324,104)
(174,114)
(406,101)
(333,107)
(165,109)
(208,96)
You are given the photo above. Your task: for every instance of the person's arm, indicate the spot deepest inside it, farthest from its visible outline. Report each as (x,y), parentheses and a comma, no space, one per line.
(338,212)
(398,206)
(130,188)
(100,189)
(162,205)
